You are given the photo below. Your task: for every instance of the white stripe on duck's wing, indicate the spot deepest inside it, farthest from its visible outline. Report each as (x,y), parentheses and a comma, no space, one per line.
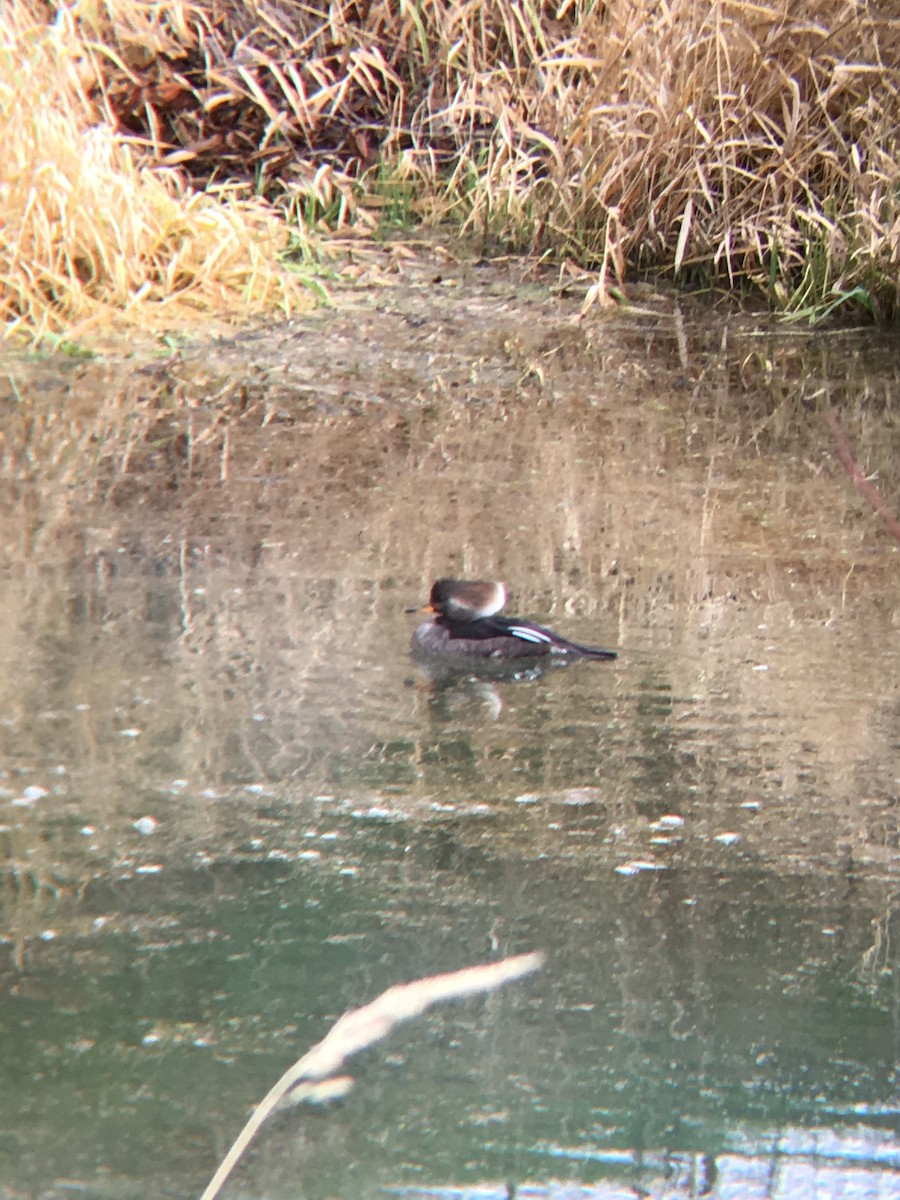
(528,633)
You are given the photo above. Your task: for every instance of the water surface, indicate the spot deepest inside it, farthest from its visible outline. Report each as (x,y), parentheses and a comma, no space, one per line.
(232,807)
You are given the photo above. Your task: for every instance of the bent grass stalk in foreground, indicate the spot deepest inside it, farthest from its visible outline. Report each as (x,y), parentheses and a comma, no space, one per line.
(313,1075)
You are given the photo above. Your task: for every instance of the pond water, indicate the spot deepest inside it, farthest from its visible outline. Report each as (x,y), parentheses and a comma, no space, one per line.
(233,807)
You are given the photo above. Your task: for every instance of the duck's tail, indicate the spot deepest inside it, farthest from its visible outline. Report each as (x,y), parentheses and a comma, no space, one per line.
(545,641)
(595,652)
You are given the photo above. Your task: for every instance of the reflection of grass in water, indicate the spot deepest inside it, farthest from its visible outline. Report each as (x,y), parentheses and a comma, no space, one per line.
(180,443)
(31,884)
(312,1077)
(875,966)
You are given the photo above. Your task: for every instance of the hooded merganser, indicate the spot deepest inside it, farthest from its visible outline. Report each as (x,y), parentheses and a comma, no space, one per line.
(465,623)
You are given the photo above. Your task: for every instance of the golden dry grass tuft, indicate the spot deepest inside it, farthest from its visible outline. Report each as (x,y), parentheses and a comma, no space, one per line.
(91,232)
(717,141)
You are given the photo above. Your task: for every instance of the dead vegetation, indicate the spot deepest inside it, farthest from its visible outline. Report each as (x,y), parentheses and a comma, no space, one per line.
(728,142)
(92,229)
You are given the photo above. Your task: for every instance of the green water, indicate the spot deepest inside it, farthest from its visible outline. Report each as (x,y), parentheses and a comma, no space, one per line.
(742,997)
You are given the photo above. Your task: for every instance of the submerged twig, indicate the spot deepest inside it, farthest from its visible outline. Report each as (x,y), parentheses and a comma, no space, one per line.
(314,1073)
(867,490)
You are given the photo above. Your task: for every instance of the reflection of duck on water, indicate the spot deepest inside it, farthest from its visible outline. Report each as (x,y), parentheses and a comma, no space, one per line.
(465,623)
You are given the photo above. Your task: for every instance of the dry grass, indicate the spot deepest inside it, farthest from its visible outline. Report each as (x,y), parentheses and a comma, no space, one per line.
(751,141)
(91,232)
(733,142)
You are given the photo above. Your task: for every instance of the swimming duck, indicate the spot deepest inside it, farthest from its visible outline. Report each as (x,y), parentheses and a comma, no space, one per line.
(465,622)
